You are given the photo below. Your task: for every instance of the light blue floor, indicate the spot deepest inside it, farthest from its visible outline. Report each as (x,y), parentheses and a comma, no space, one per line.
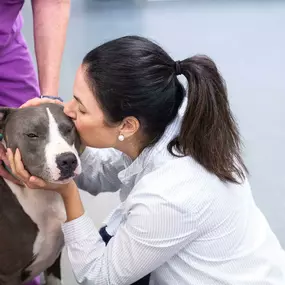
(247,41)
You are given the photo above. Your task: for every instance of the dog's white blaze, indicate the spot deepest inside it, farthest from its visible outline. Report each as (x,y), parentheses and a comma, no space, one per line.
(47,211)
(57,145)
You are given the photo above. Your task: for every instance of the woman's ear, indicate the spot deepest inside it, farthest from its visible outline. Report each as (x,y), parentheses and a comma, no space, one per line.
(4,113)
(129,126)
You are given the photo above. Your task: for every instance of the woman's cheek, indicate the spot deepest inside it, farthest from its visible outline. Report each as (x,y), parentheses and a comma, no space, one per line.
(78,126)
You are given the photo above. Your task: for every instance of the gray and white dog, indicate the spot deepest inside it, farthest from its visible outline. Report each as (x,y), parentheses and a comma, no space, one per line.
(30,220)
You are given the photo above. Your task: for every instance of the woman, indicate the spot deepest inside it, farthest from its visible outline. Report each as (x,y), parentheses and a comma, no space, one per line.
(187,214)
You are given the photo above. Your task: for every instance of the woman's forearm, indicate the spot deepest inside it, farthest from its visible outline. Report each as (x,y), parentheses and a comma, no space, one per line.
(50,26)
(72,201)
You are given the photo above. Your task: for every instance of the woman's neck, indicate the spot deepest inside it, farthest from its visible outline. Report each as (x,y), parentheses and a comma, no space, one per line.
(131,148)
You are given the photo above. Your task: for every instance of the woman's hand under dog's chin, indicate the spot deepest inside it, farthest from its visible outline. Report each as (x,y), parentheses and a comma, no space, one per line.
(62,188)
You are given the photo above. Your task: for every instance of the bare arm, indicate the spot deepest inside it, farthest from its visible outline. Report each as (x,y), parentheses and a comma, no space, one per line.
(50,26)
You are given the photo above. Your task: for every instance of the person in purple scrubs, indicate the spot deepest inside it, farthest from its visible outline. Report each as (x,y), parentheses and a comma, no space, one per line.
(18,79)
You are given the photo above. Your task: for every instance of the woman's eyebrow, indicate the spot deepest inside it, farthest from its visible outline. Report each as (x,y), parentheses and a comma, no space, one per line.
(78,100)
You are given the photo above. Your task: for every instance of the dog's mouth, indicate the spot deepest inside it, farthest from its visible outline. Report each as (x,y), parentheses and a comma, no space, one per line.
(55,176)
(66,179)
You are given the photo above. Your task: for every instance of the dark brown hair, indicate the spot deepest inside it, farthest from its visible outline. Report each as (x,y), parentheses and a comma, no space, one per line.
(132,76)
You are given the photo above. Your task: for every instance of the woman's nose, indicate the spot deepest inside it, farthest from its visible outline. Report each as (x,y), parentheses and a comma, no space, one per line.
(68,110)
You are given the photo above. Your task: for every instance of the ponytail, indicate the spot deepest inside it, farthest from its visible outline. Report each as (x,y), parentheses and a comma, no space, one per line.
(209,132)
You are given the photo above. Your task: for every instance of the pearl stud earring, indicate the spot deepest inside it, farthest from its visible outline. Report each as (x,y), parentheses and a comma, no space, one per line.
(121,138)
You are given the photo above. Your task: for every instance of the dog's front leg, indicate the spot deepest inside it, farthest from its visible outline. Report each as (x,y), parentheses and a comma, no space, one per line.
(53,273)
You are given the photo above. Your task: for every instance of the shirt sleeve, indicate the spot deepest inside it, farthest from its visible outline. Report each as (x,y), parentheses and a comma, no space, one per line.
(100,168)
(152,233)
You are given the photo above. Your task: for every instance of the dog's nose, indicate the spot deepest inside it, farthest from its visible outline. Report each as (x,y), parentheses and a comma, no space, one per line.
(67,163)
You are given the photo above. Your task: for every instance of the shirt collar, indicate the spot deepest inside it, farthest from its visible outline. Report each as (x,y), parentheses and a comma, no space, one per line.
(136,166)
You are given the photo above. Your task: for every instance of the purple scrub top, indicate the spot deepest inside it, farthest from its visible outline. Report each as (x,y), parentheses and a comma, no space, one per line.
(18,80)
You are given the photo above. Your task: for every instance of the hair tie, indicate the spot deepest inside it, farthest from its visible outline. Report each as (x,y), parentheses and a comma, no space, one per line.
(178,67)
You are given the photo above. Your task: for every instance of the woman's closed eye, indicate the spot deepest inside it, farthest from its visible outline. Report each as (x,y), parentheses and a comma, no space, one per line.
(81,111)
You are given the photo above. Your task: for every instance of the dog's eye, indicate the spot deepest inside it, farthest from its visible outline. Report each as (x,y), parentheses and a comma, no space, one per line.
(66,129)
(31,135)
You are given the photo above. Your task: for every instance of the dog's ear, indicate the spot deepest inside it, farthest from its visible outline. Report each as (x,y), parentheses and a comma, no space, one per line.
(4,113)
(78,144)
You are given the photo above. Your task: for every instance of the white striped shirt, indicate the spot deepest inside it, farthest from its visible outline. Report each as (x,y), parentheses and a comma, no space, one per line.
(175,220)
